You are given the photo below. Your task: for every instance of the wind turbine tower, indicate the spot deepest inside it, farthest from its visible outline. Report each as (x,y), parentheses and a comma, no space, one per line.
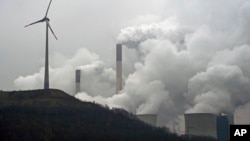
(46,19)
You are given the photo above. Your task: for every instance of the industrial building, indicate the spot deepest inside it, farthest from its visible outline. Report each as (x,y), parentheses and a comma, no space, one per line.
(207,124)
(150,119)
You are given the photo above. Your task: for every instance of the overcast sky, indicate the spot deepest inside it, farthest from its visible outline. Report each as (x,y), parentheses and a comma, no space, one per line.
(91,24)
(179,56)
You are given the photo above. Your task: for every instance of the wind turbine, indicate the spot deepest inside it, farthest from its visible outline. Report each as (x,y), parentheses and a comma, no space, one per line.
(46,19)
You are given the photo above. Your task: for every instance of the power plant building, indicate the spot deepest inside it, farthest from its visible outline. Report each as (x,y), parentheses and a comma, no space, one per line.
(207,124)
(150,119)
(223,127)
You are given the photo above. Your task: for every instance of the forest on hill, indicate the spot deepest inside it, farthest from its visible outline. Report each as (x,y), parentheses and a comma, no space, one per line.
(42,115)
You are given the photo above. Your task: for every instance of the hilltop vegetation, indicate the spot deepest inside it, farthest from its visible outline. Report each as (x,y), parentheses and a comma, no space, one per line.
(39,115)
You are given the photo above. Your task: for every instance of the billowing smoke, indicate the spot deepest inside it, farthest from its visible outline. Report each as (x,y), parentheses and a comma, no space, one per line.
(220,88)
(97,79)
(196,60)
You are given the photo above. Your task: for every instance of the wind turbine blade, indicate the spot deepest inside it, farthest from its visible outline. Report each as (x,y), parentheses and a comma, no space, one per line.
(52,31)
(39,21)
(48,9)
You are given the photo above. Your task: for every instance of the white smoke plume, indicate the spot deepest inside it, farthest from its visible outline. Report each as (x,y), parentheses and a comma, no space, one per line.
(96,77)
(196,60)
(220,89)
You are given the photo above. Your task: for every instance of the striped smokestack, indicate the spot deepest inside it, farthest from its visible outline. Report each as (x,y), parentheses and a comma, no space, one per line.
(78,81)
(118,68)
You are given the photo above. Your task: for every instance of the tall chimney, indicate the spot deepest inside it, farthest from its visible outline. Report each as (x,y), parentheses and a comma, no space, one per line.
(118,68)
(78,81)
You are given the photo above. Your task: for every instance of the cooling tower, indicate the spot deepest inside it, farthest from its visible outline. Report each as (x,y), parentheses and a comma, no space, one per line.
(201,124)
(118,68)
(78,81)
(150,119)
(206,124)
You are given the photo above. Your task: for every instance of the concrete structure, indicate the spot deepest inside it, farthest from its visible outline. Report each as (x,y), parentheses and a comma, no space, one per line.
(207,124)
(78,81)
(118,68)
(223,127)
(201,124)
(150,119)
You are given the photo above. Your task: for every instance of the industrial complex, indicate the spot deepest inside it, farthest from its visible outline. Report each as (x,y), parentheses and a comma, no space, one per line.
(196,124)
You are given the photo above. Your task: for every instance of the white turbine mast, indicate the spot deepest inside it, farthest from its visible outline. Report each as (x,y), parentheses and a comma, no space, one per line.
(46,19)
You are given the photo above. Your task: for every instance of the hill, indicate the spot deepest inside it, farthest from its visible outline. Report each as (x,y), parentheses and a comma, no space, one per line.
(39,115)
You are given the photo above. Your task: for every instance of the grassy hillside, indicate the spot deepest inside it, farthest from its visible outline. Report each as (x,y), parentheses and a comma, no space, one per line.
(40,115)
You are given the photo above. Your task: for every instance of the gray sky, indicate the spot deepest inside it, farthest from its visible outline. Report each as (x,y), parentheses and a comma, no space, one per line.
(179,56)
(91,24)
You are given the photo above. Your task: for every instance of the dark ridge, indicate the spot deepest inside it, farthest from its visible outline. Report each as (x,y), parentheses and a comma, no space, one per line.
(38,115)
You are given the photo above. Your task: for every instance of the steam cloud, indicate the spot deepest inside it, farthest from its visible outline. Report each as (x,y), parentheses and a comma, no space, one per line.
(193,61)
